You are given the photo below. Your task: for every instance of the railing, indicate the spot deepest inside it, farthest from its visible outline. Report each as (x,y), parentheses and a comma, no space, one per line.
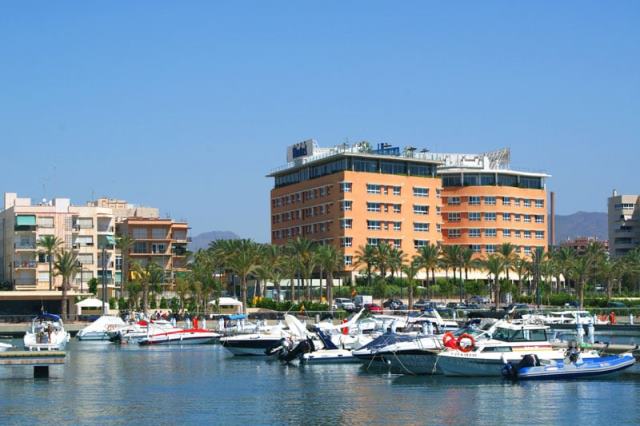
(25,246)
(26,264)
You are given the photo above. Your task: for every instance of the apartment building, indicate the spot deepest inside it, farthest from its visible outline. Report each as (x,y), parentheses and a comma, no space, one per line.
(486,203)
(87,230)
(623,223)
(161,241)
(351,196)
(580,244)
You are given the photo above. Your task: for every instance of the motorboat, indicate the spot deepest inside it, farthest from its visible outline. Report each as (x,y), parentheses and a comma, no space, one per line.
(5,346)
(192,336)
(46,333)
(572,367)
(505,342)
(267,342)
(100,328)
(134,332)
(565,317)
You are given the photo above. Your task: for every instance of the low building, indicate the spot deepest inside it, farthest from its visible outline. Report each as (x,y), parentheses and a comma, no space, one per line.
(624,223)
(580,244)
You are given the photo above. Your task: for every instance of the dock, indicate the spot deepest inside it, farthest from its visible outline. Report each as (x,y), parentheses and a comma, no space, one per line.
(40,360)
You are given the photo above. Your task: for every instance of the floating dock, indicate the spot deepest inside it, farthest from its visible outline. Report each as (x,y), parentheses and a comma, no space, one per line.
(40,360)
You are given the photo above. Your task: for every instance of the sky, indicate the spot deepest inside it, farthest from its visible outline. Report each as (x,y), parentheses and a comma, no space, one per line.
(188,105)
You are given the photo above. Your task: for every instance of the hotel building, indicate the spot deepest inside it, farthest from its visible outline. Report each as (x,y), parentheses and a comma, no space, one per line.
(354,196)
(624,223)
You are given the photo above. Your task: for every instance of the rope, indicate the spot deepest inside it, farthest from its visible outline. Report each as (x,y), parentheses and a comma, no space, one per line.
(435,365)
(403,366)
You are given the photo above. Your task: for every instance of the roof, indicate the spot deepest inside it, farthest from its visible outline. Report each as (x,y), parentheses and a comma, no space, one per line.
(90,303)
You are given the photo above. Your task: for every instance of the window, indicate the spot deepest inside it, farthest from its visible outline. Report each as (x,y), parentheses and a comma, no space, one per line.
(361,165)
(506,201)
(474,201)
(373,207)
(490,232)
(518,234)
(490,216)
(345,186)
(453,233)
(438,210)
(527,218)
(85,223)
(419,209)
(506,232)
(438,192)
(490,248)
(527,202)
(396,190)
(474,216)
(45,222)
(420,227)
(85,258)
(490,201)
(158,248)
(506,216)
(43,276)
(346,242)
(397,243)
(453,217)
(517,202)
(417,244)
(475,248)
(396,208)
(539,219)
(453,201)
(346,223)
(139,233)
(539,203)
(397,226)
(348,260)
(159,233)
(373,241)
(438,227)
(346,205)
(539,235)
(139,247)
(527,234)
(527,250)
(420,192)
(474,233)
(373,189)
(84,240)
(374,224)
(516,217)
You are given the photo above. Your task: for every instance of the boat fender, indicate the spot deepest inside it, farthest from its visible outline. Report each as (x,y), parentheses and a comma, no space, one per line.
(449,340)
(467,348)
(612,318)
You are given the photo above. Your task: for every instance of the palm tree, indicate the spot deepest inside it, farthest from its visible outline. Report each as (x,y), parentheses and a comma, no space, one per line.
(579,271)
(244,262)
(383,258)
(521,267)
(148,275)
(182,290)
(50,245)
(467,261)
(66,266)
(330,259)
(509,255)
(124,244)
(411,270)
(304,252)
(564,257)
(396,260)
(495,266)
(452,256)
(537,258)
(429,259)
(366,255)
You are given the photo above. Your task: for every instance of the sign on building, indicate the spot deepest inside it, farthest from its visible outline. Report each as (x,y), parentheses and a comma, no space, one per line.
(299,150)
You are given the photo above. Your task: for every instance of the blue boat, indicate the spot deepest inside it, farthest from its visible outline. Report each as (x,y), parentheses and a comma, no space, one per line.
(531,368)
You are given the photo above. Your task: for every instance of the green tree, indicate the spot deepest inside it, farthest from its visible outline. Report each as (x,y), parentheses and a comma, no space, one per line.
(66,265)
(331,261)
(244,262)
(50,244)
(303,250)
(366,255)
(93,285)
(429,260)
(124,243)
(148,276)
(411,270)
(494,264)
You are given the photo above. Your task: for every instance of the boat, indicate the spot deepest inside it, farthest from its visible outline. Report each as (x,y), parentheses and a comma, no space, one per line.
(565,317)
(46,333)
(268,342)
(132,333)
(191,336)
(5,346)
(100,328)
(506,342)
(572,367)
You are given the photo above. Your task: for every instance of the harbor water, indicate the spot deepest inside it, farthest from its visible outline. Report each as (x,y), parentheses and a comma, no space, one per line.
(105,384)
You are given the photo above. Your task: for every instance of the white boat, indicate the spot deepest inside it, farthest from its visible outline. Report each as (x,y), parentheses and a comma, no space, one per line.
(267,342)
(565,317)
(5,346)
(100,328)
(132,333)
(192,336)
(46,333)
(505,342)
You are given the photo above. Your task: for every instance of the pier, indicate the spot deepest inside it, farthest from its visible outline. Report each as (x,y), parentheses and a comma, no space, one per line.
(40,360)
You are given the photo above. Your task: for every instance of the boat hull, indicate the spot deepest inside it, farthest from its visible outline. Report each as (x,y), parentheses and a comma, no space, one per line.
(250,347)
(413,362)
(591,368)
(330,356)
(195,337)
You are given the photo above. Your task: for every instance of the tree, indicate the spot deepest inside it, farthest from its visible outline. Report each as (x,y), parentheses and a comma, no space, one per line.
(50,245)
(330,259)
(564,258)
(182,290)
(366,255)
(429,259)
(66,265)
(244,262)
(579,271)
(494,264)
(452,257)
(147,275)
(396,260)
(303,251)
(537,258)
(124,244)
(509,256)
(411,270)
(521,267)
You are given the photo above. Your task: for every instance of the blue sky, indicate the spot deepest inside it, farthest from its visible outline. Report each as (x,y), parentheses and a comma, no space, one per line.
(187,105)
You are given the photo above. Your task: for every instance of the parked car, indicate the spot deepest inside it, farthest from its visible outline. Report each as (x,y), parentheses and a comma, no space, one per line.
(344,303)
(423,304)
(361,300)
(372,307)
(614,304)
(480,300)
(571,305)
(392,304)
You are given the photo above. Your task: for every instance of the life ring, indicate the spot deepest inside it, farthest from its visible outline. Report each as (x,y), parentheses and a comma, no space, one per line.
(449,340)
(467,348)
(345,330)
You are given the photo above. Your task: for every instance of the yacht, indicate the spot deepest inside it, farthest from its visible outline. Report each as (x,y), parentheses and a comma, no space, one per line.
(192,336)
(100,328)
(486,352)
(134,332)
(46,333)
(5,346)
(565,317)
(266,342)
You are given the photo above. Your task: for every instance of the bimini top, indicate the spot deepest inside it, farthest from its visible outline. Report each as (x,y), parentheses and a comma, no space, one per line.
(48,317)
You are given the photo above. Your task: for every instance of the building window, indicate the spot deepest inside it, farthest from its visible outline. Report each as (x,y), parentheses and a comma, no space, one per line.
(438,227)
(474,216)
(420,227)
(348,260)
(516,217)
(527,250)
(373,189)
(417,244)
(83,240)
(527,202)
(85,223)
(346,205)
(374,225)
(345,186)
(506,201)
(517,202)
(397,226)
(539,204)
(527,234)
(539,219)
(397,208)
(490,248)
(453,201)
(506,217)
(539,235)
(45,222)
(85,258)
(438,192)
(396,190)
(475,248)
(490,201)
(453,217)
(474,232)
(346,242)
(527,218)
(346,223)
(420,192)
(506,233)
(397,243)
(419,209)
(373,241)
(489,232)
(490,216)
(453,233)
(43,276)
(373,207)
(474,201)
(518,234)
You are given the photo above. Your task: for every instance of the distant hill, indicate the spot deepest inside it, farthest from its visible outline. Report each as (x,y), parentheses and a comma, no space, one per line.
(581,224)
(202,241)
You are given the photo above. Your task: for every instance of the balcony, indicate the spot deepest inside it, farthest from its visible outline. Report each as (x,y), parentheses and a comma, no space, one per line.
(25,245)
(26,264)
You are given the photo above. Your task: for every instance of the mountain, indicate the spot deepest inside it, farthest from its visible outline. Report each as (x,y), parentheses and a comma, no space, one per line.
(581,224)
(202,241)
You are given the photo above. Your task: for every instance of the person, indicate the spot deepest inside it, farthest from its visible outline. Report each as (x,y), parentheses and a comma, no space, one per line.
(49,331)
(220,324)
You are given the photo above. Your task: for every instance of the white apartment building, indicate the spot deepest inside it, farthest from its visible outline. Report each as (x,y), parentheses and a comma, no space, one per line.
(624,223)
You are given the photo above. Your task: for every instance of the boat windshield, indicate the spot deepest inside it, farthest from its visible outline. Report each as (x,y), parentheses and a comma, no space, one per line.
(521,335)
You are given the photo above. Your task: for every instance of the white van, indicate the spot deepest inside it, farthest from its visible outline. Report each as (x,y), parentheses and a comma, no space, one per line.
(361,300)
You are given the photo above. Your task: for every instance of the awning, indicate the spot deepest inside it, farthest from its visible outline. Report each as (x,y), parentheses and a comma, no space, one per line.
(90,303)
(26,220)
(111,240)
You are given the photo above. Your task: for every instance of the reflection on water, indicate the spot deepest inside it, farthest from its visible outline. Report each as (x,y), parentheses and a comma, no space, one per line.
(106,384)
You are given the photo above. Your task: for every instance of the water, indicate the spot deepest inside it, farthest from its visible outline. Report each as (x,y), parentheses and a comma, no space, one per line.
(104,384)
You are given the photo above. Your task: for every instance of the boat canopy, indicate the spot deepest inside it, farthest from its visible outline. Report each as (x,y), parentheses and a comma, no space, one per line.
(48,317)
(90,303)
(236,316)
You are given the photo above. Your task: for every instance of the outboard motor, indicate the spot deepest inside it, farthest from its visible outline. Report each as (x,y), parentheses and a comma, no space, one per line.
(277,348)
(303,347)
